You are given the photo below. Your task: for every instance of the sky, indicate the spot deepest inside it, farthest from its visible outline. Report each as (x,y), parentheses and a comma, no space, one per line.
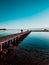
(24,14)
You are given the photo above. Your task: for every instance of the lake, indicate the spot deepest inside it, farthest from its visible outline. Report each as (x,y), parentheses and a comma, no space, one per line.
(33,50)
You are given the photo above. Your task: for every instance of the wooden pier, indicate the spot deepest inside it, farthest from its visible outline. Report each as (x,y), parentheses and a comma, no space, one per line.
(11,41)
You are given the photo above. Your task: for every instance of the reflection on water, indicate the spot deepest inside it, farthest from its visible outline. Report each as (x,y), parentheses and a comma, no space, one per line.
(33,50)
(36,40)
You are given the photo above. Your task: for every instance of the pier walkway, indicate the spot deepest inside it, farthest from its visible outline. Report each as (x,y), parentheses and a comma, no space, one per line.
(10,38)
(9,43)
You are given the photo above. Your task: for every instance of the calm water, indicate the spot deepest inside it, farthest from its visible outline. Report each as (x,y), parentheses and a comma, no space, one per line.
(33,50)
(36,40)
(9,32)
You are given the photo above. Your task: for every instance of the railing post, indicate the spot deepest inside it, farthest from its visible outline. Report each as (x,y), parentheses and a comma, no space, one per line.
(0,47)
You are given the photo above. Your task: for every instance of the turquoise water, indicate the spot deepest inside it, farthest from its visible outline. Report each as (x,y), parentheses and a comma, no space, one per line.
(36,40)
(9,32)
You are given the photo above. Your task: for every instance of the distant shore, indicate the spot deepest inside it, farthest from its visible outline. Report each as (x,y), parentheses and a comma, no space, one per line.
(3,29)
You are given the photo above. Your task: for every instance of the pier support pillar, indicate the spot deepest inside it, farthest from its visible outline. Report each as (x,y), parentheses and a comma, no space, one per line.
(14,41)
(0,47)
(10,43)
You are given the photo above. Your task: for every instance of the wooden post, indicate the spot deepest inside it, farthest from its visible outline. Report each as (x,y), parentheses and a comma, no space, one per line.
(0,47)
(10,43)
(17,41)
(14,41)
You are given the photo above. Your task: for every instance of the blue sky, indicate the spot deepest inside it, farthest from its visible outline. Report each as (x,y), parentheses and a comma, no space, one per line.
(24,13)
